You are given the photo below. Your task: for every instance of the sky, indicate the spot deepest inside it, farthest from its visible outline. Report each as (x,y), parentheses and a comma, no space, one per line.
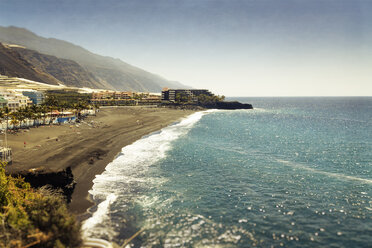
(232,47)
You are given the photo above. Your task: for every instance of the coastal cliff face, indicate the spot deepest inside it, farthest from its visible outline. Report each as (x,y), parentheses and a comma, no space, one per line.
(62,180)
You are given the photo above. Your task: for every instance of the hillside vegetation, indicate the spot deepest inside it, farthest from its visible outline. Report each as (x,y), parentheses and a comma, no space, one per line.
(34,218)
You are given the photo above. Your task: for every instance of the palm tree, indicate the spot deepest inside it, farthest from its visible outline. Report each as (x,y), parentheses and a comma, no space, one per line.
(20,115)
(27,113)
(2,116)
(14,120)
(63,106)
(35,110)
(52,103)
(6,114)
(1,113)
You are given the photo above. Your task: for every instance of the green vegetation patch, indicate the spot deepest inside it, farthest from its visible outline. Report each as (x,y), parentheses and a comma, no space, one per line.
(70,97)
(34,218)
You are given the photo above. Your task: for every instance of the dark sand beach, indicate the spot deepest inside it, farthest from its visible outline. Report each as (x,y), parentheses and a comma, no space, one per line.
(86,147)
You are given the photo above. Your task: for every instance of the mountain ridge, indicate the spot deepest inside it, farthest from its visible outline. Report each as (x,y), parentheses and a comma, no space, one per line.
(67,71)
(12,64)
(111,73)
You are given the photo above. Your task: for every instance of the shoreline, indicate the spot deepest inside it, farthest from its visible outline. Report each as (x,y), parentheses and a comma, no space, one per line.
(87,147)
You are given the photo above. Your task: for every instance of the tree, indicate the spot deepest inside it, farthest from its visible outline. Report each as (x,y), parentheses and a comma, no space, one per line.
(6,114)
(52,103)
(35,113)
(14,121)
(206,99)
(22,114)
(183,97)
(34,218)
(44,111)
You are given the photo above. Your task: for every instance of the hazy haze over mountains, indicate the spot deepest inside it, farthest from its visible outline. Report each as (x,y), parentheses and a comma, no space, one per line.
(76,66)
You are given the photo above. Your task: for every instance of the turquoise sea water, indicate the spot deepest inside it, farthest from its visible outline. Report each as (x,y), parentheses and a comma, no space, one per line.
(293,172)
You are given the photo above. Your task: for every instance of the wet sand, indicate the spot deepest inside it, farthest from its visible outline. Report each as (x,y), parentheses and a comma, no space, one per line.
(87,147)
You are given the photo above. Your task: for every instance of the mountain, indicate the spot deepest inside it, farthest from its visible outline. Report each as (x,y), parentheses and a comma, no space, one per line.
(12,64)
(67,71)
(108,72)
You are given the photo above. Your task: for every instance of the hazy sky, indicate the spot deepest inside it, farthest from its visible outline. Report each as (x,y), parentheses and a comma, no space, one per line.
(233,47)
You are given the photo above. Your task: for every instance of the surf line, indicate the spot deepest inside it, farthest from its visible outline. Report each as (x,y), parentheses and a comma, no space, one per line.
(144,152)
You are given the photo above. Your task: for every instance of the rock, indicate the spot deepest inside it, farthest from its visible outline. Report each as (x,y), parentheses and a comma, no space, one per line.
(228,105)
(62,180)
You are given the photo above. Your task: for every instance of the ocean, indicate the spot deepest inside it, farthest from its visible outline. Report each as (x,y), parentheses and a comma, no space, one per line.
(293,172)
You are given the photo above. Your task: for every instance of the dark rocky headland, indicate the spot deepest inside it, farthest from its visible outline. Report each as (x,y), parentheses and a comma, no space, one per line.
(228,105)
(60,181)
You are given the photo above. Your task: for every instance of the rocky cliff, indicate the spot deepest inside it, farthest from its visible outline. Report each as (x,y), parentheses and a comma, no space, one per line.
(62,180)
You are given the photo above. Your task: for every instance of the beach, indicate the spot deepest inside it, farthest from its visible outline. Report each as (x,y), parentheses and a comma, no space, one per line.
(86,147)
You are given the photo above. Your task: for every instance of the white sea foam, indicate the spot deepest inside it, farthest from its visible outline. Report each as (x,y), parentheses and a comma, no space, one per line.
(329,174)
(126,172)
(100,215)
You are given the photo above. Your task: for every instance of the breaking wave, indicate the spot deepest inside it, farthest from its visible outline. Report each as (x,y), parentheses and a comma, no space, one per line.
(123,175)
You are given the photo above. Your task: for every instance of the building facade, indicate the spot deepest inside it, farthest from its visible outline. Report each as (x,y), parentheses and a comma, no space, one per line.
(36,97)
(192,94)
(15,100)
(3,102)
(119,95)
